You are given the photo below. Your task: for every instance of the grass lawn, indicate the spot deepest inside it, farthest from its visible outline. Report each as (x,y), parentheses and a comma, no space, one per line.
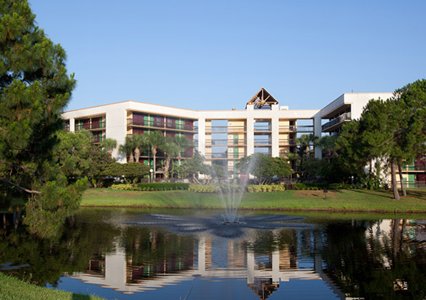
(345,200)
(15,289)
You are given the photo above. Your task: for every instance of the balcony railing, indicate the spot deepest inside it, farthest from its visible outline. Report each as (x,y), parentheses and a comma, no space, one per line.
(90,126)
(336,122)
(287,142)
(260,128)
(160,125)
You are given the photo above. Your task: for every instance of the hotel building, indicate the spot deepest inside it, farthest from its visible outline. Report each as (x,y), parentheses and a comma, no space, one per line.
(221,136)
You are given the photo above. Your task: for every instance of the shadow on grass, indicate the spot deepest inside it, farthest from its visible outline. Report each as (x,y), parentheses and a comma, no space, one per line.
(382,194)
(417,193)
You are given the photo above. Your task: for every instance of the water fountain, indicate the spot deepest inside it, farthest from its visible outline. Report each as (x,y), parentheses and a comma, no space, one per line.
(232,194)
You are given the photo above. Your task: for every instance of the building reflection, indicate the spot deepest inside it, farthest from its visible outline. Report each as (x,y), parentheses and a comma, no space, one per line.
(264,266)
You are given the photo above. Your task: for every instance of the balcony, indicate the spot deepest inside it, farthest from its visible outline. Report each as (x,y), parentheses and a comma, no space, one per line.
(286,142)
(94,126)
(336,123)
(160,126)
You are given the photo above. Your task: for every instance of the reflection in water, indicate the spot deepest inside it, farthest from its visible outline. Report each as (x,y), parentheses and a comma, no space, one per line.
(131,255)
(210,257)
(384,259)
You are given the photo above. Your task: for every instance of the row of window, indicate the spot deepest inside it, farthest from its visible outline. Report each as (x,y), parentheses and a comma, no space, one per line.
(140,119)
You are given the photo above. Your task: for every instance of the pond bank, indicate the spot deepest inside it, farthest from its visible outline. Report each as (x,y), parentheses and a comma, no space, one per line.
(14,289)
(336,201)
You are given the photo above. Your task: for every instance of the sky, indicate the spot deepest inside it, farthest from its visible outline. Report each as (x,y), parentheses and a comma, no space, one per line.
(218,54)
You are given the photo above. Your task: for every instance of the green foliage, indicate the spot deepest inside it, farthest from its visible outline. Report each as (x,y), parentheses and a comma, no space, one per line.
(163,186)
(46,213)
(203,188)
(130,172)
(304,186)
(34,88)
(257,188)
(190,168)
(264,167)
(14,289)
(156,186)
(392,130)
(124,187)
(75,156)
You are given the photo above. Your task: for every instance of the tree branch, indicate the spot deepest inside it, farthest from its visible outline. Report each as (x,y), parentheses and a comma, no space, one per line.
(19,187)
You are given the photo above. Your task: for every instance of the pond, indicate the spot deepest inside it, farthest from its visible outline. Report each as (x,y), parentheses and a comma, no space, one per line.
(175,254)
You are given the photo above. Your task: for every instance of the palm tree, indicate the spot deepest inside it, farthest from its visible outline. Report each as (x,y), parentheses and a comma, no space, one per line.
(127,149)
(138,142)
(171,149)
(109,145)
(182,144)
(155,139)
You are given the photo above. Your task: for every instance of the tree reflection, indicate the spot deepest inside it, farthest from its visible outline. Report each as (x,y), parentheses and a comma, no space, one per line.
(375,260)
(44,261)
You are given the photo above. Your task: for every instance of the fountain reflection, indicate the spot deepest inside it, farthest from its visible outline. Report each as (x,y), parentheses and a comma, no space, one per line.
(265,264)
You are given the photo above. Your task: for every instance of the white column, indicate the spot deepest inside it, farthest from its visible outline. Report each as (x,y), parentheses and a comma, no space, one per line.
(250,266)
(275,126)
(202,255)
(276,266)
(250,135)
(202,136)
(115,268)
(72,125)
(116,128)
(317,132)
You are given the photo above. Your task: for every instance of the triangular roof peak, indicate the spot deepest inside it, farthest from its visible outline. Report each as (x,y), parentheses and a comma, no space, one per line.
(262,98)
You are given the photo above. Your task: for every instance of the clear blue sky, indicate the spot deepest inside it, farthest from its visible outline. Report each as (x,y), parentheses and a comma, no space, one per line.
(217,54)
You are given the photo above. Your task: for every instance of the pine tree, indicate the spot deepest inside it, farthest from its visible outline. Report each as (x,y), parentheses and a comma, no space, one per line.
(34,89)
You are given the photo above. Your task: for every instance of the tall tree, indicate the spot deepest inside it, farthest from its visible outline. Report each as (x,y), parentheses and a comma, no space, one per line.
(128,148)
(171,150)
(34,89)
(411,117)
(264,167)
(156,140)
(182,144)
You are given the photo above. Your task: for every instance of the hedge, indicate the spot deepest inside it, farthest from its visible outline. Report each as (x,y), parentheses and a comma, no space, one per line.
(160,186)
(265,188)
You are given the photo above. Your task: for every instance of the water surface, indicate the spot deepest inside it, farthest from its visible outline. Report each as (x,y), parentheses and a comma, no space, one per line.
(175,254)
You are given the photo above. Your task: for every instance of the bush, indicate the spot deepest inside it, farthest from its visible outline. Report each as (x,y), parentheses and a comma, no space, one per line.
(162,186)
(123,187)
(265,188)
(304,186)
(200,188)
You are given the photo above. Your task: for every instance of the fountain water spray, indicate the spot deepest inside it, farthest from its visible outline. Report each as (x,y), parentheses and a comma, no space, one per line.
(231,192)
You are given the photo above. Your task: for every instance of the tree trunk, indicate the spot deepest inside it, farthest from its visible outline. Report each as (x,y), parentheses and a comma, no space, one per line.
(393,180)
(370,167)
(154,158)
(404,192)
(131,158)
(166,167)
(137,154)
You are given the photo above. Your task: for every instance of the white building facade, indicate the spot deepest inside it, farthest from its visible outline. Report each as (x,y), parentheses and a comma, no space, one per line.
(221,136)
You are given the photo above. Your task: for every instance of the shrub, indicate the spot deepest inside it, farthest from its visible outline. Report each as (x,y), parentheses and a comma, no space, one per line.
(123,187)
(304,186)
(265,188)
(201,188)
(162,186)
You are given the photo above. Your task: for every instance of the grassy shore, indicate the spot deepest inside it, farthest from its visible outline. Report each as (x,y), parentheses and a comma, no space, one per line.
(344,201)
(15,289)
